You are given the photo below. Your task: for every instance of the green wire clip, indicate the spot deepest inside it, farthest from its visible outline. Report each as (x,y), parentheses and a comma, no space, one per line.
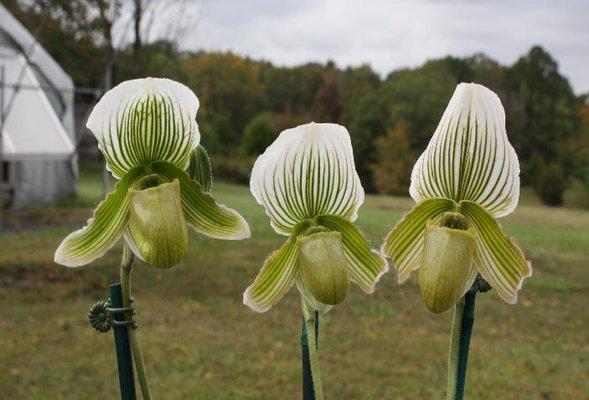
(101,316)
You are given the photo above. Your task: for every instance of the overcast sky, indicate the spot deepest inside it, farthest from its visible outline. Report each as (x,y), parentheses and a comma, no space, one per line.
(388,34)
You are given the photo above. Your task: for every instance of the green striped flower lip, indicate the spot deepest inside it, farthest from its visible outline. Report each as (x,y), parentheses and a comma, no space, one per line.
(307,178)
(146,120)
(470,167)
(147,132)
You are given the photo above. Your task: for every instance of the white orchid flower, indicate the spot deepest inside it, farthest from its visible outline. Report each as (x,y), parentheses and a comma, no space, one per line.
(307,182)
(467,177)
(146,130)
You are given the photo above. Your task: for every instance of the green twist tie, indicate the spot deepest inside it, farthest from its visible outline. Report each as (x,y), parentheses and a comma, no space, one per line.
(101,316)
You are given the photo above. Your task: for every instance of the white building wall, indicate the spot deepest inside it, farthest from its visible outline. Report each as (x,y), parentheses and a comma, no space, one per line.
(40,182)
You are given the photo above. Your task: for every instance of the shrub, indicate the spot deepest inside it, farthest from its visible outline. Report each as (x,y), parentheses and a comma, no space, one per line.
(394,160)
(550,184)
(259,133)
(232,169)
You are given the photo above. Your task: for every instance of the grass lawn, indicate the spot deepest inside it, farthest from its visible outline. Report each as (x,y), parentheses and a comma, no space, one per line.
(200,342)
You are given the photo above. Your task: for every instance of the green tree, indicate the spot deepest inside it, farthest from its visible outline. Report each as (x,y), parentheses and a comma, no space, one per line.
(160,59)
(578,152)
(550,184)
(394,161)
(226,84)
(260,132)
(291,90)
(550,108)
(356,83)
(418,97)
(328,105)
(216,132)
(368,123)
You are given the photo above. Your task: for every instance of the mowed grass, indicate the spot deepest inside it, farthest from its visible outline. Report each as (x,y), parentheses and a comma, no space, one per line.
(200,342)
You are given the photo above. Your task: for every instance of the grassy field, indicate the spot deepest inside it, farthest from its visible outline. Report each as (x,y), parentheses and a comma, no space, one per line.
(200,342)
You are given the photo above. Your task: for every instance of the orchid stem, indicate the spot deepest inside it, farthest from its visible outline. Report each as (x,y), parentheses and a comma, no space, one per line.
(126,264)
(459,345)
(311,390)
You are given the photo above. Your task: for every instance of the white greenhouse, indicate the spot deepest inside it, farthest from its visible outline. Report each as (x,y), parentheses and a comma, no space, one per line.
(38,134)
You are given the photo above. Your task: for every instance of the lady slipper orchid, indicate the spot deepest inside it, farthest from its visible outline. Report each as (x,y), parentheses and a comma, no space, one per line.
(307,182)
(146,130)
(465,180)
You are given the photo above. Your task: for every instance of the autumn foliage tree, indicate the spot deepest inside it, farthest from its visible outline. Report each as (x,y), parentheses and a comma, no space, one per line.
(394,161)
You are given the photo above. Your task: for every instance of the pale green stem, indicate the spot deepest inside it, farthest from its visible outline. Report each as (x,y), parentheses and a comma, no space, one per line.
(309,316)
(126,265)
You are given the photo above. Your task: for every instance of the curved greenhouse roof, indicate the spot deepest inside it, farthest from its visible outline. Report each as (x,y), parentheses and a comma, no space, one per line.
(36,97)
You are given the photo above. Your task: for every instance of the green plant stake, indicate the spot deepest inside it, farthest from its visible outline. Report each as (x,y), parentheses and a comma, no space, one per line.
(307,182)
(462,324)
(467,178)
(117,313)
(308,390)
(123,349)
(147,131)
(467,321)
(126,264)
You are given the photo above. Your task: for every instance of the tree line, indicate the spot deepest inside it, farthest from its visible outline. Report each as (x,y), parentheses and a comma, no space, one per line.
(245,103)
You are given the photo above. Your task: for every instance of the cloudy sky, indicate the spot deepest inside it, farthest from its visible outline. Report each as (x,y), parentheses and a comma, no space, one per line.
(386,34)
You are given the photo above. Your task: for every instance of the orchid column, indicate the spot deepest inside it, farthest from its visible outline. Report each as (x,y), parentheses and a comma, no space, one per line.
(146,130)
(307,182)
(467,177)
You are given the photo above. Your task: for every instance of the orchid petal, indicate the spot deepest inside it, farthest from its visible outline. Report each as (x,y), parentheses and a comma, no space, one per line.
(469,156)
(145,120)
(308,171)
(497,258)
(276,276)
(102,230)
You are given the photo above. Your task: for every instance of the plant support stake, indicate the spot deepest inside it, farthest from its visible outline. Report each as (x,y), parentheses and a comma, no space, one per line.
(123,350)
(126,264)
(460,342)
(308,390)
(311,358)
(117,313)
